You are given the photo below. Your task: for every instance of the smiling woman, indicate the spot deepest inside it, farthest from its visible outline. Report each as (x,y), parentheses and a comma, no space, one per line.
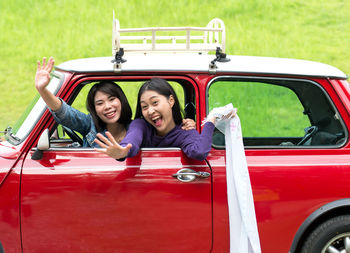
(109,108)
(159,106)
(106,102)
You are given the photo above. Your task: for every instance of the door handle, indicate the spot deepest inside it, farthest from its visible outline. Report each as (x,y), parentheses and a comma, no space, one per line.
(188,175)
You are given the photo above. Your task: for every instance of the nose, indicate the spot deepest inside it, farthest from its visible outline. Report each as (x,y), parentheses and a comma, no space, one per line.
(150,110)
(107,105)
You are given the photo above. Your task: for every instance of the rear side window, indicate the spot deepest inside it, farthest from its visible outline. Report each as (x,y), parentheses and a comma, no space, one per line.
(278,112)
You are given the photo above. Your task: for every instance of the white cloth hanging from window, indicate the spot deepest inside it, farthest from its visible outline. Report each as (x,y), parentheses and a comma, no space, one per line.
(244,236)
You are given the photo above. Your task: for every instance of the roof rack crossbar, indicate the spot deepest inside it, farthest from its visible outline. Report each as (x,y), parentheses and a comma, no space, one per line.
(212,37)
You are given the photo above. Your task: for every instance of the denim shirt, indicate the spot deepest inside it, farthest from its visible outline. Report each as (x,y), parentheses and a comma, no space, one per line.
(77,121)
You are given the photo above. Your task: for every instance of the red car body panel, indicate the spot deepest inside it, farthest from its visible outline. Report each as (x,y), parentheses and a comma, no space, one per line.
(128,202)
(10,211)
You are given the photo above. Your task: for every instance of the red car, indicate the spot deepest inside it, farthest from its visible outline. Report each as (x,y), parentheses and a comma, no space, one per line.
(57,196)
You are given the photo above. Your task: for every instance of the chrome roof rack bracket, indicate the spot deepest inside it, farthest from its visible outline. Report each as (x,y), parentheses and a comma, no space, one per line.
(118,60)
(220,57)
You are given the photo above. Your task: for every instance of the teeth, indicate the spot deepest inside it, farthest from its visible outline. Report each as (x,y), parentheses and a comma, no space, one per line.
(155,119)
(109,114)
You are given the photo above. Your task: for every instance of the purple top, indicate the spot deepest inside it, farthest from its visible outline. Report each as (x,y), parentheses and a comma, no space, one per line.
(194,145)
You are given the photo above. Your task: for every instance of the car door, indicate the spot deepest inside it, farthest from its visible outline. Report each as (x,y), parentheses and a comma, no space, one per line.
(77,200)
(294,170)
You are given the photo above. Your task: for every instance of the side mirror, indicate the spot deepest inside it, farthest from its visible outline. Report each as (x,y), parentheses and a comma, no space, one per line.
(44,140)
(43,144)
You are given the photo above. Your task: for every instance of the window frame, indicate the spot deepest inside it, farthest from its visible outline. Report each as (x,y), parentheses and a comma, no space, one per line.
(187,84)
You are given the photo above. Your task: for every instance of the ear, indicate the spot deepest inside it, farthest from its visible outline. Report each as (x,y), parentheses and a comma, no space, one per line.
(171,100)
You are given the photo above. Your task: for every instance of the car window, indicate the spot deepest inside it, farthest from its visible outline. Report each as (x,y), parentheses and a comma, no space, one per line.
(62,137)
(278,112)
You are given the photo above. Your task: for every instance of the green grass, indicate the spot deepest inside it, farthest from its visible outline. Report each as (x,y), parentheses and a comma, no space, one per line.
(315,30)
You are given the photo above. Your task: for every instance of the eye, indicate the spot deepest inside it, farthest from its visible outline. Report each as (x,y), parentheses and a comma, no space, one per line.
(155,103)
(144,107)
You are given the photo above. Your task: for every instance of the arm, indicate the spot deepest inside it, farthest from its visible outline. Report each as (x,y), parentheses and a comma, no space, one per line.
(135,136)
(195,145)
(42,78)
(72,118)
(63,113)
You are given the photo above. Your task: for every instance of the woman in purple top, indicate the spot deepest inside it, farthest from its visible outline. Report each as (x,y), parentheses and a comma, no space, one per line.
(158,124)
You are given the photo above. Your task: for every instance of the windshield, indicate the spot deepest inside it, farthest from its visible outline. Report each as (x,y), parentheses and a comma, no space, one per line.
(32,114)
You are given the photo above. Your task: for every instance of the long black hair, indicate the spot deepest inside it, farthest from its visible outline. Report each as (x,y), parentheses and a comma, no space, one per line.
(162,87)
(112,89)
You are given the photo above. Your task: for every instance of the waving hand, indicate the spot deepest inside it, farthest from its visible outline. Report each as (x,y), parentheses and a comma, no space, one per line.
(110,147)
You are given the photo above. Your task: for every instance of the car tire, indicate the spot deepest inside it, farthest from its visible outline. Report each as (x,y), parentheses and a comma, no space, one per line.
(332,235)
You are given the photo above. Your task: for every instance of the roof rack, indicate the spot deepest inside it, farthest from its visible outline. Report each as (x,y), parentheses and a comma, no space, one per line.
(191,39)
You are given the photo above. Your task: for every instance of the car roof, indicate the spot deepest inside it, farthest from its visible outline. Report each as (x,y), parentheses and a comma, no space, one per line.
(182,62)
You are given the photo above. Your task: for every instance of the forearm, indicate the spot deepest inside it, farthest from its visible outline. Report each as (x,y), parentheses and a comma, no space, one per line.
(73,118)
(199,145)
(50,99)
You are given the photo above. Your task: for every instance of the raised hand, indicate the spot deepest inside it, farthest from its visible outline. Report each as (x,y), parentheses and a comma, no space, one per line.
(221,113)
(42,76)
(110,147)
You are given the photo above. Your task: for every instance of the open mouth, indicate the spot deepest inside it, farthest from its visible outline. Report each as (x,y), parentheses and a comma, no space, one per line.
(157,121)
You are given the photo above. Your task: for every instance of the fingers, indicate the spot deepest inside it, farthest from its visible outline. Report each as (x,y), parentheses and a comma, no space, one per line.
(38,65)
(100,143)
(188,124)
(103,139)
(111,138)
(48,66)
(184,124)
(110,147)
(44,62)
(232,114)
(229,116)
(109,142)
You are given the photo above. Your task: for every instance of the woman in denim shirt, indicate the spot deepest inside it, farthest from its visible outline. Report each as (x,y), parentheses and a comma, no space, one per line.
(106,102)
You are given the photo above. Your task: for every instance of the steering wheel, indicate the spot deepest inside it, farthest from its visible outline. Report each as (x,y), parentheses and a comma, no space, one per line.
(73,135)
(309,132)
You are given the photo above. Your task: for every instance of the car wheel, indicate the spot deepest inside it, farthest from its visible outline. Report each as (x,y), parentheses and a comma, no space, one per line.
(332,236)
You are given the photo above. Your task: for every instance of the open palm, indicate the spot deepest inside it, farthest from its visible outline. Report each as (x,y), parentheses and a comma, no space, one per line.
(42,76)
(110,147)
